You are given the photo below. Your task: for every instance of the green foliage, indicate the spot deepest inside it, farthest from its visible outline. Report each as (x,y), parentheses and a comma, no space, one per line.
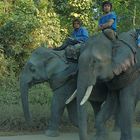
(71,9)
(12,117)
(3,66)
(126,14)
(40,94)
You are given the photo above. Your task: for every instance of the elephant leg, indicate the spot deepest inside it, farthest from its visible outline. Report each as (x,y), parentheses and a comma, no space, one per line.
(117,121)
(82,116)
(117,115)
(96,107)
(57,109)
(104,114)
(72,112)
(127,106)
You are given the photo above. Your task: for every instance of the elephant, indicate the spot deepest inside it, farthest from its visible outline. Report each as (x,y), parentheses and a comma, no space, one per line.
(118,66)
(48,65)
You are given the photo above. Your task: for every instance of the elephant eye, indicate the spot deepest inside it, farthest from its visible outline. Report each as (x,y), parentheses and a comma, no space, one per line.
(94,61)
(99,61)
(49,58)
(32,69)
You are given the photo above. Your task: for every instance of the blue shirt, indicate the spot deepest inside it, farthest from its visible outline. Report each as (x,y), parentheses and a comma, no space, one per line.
(80,34)
(105,18)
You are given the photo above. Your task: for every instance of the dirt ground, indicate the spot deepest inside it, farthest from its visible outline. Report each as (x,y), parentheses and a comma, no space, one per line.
(68,136)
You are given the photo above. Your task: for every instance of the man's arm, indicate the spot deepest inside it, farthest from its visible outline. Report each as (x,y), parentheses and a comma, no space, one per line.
(106,25)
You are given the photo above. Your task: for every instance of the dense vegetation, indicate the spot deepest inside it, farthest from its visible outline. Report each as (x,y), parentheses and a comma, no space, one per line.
(25,24)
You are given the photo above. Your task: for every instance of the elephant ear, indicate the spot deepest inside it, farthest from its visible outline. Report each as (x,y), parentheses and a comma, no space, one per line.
(123,54)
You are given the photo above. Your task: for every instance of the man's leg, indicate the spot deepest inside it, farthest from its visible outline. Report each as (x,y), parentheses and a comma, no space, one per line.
(68,41)
(110,34)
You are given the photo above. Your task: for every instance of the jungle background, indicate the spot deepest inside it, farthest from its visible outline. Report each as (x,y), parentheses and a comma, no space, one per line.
(24,25)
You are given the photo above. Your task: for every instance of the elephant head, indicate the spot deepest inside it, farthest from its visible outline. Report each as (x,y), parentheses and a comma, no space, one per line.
(42,66)
(100,61)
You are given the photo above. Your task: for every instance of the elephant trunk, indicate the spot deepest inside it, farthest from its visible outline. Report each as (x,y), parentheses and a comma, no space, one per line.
(84,86)
(24,87)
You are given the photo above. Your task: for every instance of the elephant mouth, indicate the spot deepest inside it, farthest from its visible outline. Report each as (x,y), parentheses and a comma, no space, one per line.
(39,81)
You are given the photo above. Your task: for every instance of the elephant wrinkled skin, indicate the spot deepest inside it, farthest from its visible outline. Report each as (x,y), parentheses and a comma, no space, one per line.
(118,66)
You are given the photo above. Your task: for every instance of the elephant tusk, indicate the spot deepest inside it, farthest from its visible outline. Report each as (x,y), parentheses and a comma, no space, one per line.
(88,92)
(71,97)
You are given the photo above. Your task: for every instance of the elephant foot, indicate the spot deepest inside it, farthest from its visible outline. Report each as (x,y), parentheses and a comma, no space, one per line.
(102,137)
(116,129)
(126,137)
(52,133)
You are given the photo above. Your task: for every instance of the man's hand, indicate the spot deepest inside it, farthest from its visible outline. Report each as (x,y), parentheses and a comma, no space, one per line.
(101,27)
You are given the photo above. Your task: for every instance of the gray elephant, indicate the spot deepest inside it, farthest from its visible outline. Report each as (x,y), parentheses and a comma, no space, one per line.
(119,67)
(47,65)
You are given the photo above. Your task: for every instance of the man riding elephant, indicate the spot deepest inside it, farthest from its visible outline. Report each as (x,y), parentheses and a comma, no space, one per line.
(73,43)
(108,22)
(119,68)
(52,66)
(79,35)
